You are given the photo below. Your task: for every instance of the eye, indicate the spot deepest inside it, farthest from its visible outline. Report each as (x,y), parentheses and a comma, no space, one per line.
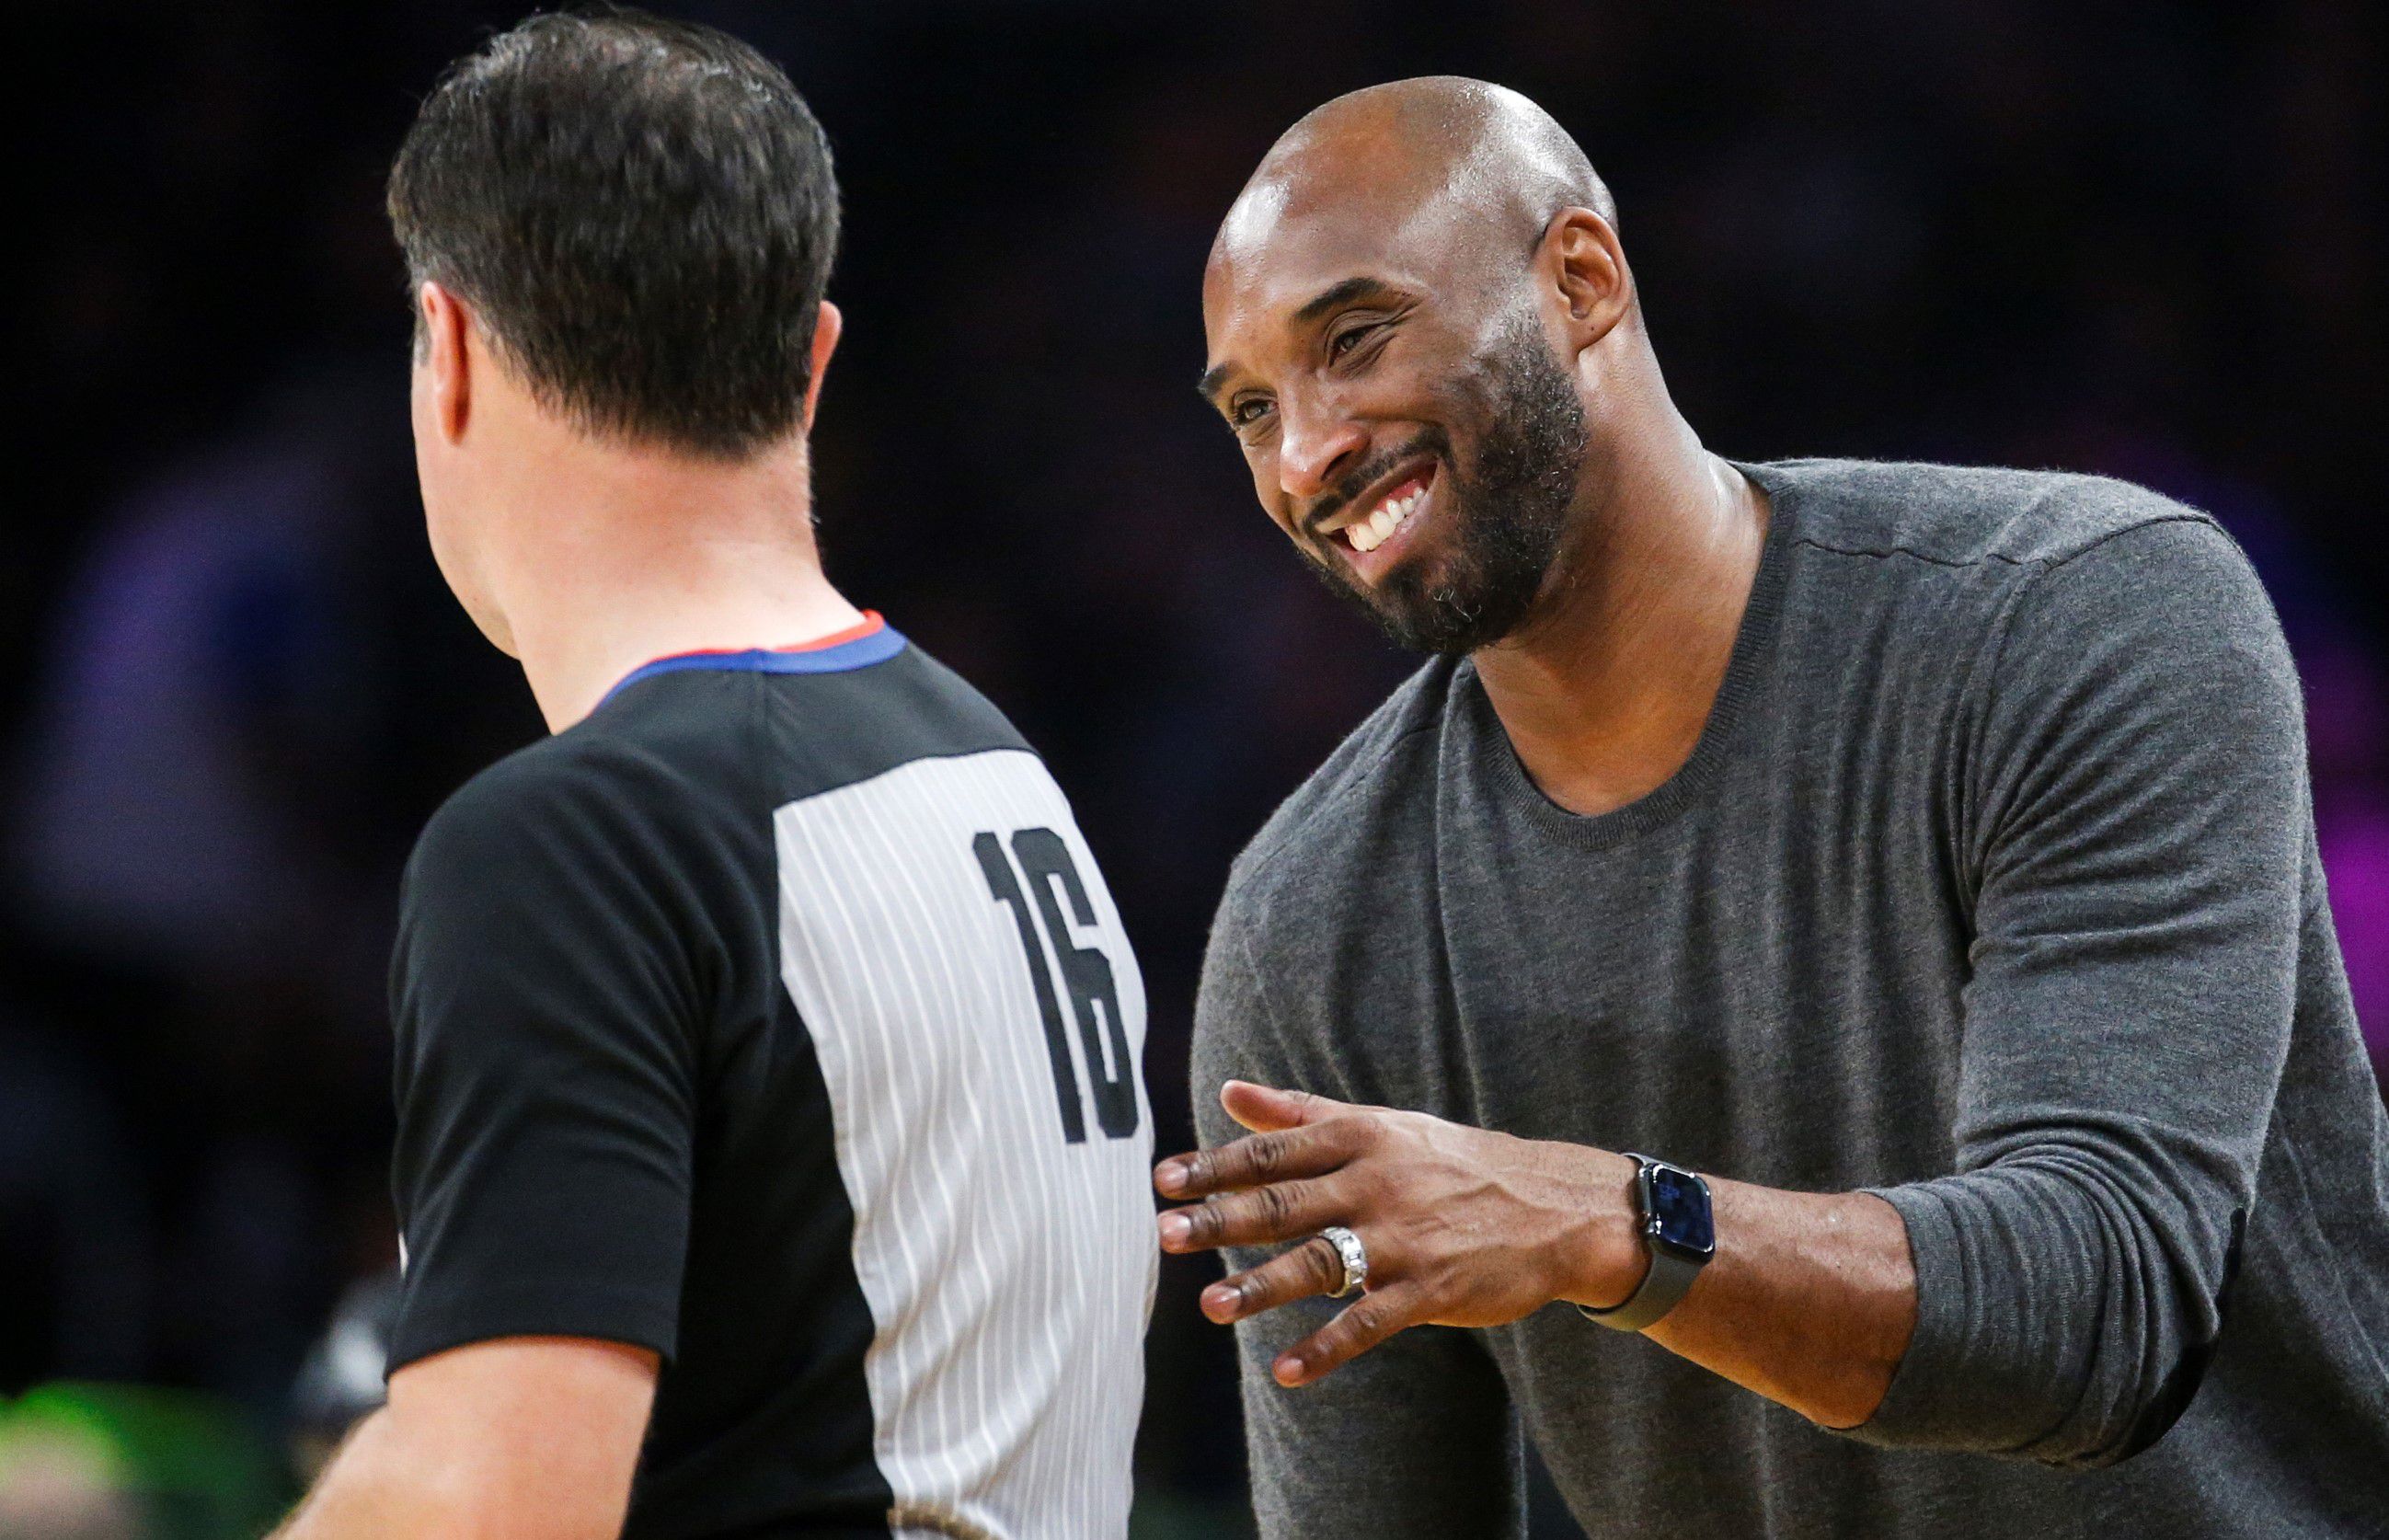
(1340,346)
(1249,410)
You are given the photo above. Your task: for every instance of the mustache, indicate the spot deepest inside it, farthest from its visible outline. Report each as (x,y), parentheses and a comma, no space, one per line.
(1427,441)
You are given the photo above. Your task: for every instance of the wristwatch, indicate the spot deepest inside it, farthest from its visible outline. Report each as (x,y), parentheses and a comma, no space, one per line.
(1680,1235)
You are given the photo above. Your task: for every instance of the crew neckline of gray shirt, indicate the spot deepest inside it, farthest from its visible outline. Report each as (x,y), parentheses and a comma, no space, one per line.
(1754,643)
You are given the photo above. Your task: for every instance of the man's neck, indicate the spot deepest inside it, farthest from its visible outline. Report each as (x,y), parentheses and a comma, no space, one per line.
(619,557)
(1604,693)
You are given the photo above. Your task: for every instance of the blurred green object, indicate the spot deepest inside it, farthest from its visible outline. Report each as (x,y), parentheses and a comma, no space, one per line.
(83,1461)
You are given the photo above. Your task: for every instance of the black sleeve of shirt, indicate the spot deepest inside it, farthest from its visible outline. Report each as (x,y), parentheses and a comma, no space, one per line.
(543,991)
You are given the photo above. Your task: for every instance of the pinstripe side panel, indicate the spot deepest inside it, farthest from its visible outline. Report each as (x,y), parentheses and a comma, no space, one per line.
(1009,1271)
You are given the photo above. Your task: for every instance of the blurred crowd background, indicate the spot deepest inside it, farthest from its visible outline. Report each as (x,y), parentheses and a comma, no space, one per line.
(2126,235)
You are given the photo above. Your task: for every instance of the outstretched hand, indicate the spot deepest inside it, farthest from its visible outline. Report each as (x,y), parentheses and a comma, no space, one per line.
(1463,1226)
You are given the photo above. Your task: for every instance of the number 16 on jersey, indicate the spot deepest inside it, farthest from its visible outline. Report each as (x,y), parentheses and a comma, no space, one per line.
(1085,976)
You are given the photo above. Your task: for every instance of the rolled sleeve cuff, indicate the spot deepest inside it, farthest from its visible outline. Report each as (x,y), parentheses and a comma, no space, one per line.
(430,1322)
(1929,1402)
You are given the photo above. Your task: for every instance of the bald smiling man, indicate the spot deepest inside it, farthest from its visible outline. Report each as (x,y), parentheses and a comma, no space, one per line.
(1914,863)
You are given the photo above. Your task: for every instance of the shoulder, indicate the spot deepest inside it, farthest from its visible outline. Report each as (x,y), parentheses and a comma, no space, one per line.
(822,732)
(1339,818)
(593,794)
(2007,565)
(2164,618)
(555,782)
(1964,514)
(916,685)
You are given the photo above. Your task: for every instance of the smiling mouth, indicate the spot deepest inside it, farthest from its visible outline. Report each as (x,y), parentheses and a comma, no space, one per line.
(1389,515)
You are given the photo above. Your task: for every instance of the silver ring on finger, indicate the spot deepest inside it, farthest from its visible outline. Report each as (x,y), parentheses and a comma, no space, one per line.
(1354,1257)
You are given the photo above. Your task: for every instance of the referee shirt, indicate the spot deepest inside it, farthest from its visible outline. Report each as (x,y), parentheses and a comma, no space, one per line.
(776,1018)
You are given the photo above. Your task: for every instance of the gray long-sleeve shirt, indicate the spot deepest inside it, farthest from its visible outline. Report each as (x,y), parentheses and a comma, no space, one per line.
(1991,887)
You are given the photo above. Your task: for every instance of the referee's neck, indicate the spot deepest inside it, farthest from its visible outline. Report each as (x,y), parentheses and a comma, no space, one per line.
(606,555)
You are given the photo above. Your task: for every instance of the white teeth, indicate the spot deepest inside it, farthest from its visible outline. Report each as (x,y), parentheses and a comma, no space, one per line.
(1367,534)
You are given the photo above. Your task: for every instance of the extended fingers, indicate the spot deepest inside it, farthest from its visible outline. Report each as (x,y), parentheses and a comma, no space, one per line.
(1279,1212)
(1264,1108)
(1366,1322)
(1311,1268)
(1258,1160)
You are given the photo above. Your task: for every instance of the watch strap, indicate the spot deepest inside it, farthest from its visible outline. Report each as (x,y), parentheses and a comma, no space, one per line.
(1671,1271)
(1669,1277)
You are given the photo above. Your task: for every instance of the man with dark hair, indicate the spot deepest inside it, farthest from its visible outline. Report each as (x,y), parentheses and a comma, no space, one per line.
(1923,853)
(770,1118)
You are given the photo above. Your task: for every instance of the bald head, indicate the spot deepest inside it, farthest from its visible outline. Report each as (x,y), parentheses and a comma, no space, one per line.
(1480,161)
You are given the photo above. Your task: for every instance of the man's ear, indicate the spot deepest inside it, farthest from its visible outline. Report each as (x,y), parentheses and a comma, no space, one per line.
(447,359)
(1588,269)
(827,327)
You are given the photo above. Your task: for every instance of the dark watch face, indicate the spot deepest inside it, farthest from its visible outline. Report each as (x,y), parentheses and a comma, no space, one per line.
(1680,1206)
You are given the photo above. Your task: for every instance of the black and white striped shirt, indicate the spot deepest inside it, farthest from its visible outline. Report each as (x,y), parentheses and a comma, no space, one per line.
(777,1018)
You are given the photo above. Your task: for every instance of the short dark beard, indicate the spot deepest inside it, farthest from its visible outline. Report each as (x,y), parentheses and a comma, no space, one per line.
(1507,509)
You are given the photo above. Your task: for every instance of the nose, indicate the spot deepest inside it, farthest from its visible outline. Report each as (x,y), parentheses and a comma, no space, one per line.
(1314,449)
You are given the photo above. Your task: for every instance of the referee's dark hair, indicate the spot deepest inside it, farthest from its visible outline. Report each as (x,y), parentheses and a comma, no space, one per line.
(642,212)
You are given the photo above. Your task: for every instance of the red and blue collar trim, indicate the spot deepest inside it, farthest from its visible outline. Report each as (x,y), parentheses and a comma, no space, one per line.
(873,641)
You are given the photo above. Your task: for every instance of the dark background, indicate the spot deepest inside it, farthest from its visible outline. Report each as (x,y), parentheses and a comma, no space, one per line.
(2137,238)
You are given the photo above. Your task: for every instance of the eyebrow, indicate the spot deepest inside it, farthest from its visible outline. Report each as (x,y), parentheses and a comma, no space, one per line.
(1337,294)
(1344,292)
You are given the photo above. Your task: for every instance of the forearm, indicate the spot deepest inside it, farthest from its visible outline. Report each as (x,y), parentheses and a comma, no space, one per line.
(520,1438)
(1810,1300)
(368,1490)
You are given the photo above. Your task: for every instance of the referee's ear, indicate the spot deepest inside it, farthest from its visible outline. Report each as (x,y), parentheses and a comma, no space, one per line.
(829,325)
(443,370)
